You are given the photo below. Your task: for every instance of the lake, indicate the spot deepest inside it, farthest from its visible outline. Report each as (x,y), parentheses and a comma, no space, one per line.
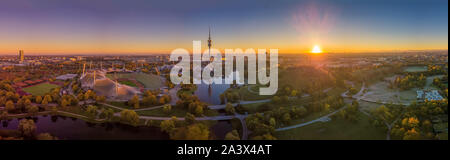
(76,129)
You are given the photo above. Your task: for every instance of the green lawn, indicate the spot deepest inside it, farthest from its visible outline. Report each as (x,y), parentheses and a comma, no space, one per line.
(148,80)
(178,112)
(40,89)
(302,78)
(250,96)
(247,95)
(254,108)
(415,69)
(186,91)
(125,106)
(128,83)
(307,118)
(259,108)
(336,129)
(160,113)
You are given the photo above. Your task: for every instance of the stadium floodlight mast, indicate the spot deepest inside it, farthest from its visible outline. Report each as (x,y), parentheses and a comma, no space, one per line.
(212,72)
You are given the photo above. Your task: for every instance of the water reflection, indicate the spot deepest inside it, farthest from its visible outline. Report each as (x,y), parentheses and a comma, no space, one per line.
(71,128)
(210,93)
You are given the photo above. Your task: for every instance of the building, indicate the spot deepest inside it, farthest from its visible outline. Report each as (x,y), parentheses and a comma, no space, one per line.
(429,95)
(21,56)
(66,77)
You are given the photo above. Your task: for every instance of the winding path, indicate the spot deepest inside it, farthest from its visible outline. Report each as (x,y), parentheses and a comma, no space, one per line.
(320,119)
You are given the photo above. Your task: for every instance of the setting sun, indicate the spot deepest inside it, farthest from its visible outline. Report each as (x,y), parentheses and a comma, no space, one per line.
(316,49)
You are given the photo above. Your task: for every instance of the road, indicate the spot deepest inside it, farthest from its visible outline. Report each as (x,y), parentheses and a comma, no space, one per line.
(173,94)
(245,131)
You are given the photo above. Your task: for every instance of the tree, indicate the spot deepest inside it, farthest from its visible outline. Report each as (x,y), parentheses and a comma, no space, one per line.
(301,111)
(130,117)
(276,99)
(27,127)
(284,99)
(167,126)
(233,135)
(27,102)
(272,122)
(326,108)
(294,93)
(4,115)
(136,106)
(48,98)
(75,87)
(9,106)
(107,113)
(383,113)
(189,118)
(229,108)
(64,103)
(427,126)
(149,99)
(199,110)
(197,131)
(80,96)
(31,109)
(164,99)
(92,111)
(87,95)
(45,136)
(411,122)
(286,118)
(134,102)
(167,108)
(44,102)
(411,135)
(100,99)
(353,91)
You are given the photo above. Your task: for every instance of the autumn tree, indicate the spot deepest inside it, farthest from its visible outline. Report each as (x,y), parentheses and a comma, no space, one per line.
(92,111)
(130,117)
(38,99)
(229,108)
(167,108)
(134,102)
(107,113)
(189,118)
(167,126)
(32,109)
(233,135)
(27,127)
(198,131)
(9,106)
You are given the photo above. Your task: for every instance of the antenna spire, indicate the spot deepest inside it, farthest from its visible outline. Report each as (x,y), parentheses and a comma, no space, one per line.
(209,39)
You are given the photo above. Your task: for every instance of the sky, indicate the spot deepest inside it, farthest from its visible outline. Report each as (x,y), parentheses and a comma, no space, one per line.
(291,26)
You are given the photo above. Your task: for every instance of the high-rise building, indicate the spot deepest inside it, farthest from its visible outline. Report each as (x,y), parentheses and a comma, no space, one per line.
(21,56)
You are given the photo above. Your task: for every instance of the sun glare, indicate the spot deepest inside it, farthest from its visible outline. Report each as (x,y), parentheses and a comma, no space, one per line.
(316,49)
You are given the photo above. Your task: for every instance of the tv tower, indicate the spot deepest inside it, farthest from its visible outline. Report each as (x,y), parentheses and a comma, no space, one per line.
(94,80)
(84,68)
(209,41)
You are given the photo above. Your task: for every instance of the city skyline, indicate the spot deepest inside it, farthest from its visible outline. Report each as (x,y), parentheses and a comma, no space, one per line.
(148,27)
